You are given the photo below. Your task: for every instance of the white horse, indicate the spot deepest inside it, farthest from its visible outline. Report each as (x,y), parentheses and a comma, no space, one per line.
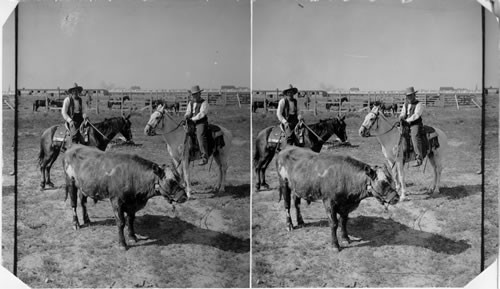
(174,135)
(388,135)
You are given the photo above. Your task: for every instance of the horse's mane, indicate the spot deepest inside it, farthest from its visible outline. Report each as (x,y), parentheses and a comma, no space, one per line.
(110,124)
(324,124)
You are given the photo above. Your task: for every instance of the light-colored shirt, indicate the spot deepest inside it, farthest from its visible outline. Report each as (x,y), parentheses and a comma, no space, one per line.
(203,110)
(419,109)
(65,108)
(281,107)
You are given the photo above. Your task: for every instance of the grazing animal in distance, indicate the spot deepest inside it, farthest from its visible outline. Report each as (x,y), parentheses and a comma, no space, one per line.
(340,181)
(128,181)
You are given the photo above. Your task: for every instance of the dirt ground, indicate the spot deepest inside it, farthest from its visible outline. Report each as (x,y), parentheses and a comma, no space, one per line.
(204,242)
(424,242)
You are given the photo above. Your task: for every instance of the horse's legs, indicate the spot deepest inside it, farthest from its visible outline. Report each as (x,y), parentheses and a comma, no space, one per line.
(185,173)
(395,174)
(334,223)
(221,160)
(401,176)
(437,168)
(48,166)
(296,201)
(268,156)
(257,169)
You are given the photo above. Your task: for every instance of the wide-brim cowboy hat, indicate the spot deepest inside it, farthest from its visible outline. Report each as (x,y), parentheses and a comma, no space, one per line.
(292,90)
(410,90)
(76,88)
(195,89)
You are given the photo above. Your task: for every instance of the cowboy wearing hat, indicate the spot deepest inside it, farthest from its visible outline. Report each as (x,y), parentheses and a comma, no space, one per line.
(197,111)
(73,112)
(411,114)
(287,113)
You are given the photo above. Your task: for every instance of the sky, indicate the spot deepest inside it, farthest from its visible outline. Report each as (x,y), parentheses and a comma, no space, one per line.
(153,44)
(380,45)
(325,44)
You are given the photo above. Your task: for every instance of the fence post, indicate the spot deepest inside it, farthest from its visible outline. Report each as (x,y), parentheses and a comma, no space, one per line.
(265,102)
(315,104)
(97,104)
(238,97)
(151,102)
(46,102)
(456,101)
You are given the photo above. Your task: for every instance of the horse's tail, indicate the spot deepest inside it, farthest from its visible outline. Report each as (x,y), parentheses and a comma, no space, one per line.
(46,142)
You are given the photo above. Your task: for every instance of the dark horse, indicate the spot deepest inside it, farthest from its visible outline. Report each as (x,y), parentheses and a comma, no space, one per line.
(264,150)
(100,138)
(40,103)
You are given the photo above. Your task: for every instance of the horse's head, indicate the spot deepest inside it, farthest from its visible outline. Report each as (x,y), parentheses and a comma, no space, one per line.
(126,127)
(370,119)
(154,120)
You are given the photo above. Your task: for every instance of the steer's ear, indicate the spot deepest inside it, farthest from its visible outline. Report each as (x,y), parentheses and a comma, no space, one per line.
(370,172)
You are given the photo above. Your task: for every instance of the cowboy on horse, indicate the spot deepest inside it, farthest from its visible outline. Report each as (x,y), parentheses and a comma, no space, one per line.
(196,112)
(73,113)
(411,116)
(288,116)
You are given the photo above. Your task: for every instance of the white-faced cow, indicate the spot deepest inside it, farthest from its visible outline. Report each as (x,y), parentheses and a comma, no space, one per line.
(128,181)
(341,182)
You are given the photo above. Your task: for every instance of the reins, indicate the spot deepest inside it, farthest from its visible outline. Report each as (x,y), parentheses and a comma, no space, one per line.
(95,128)
(308,128)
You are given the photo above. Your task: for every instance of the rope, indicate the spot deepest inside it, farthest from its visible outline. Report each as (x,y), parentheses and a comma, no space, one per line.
(320,138)
(95,128)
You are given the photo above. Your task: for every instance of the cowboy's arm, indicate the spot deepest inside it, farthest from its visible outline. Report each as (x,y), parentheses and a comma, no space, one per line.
(419,109)
(64,110)
(403,112)
(188,111)
(279,111)
(203,111)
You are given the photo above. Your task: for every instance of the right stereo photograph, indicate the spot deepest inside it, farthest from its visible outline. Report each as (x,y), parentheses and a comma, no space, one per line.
(375,143)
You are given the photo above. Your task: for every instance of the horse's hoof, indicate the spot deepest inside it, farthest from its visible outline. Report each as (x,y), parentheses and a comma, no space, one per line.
(123,247)
(265,186)
(86,222)
(335,249)
(289,227)
(50,184)
(345,241)
(133,239)
(257,188)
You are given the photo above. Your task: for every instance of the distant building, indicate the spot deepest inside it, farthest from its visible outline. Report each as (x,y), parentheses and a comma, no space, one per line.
(446,88)
(354,89)
(491,90)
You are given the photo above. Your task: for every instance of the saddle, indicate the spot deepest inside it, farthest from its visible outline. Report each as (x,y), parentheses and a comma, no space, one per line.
(429,138)
(215,139)
(277,134)
(62,132)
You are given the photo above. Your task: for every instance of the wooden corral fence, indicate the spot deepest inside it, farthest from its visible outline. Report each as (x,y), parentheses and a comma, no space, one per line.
(357,101)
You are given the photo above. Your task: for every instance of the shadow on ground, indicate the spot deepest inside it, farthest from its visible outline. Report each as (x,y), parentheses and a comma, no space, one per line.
(377,232)
(164,230)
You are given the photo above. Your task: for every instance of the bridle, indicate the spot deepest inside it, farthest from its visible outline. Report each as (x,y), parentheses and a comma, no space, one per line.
(162,114)
(376,120)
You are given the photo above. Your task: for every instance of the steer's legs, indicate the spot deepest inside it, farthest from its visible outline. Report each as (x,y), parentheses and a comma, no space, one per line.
(83,204)
(343,228)
(332,218)
(285,192)
(130,224)
(72,191)
(120,222)
(296,201)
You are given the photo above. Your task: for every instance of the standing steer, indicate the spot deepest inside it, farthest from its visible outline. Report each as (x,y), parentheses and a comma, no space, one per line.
(128,181)
(341,182)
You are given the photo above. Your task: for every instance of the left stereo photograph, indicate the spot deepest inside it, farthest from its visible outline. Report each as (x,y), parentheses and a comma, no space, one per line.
(126,143)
